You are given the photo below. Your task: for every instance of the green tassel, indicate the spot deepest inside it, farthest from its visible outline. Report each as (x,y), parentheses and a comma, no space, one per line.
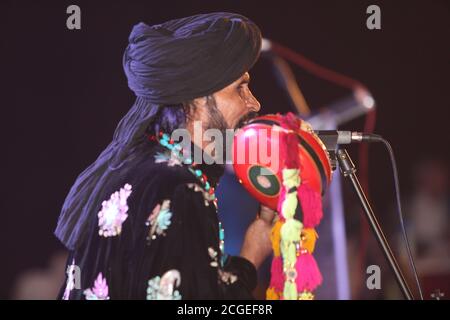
(290,230)
(289,205)
(289,255)
(290,234)
(290,291)
(291,178)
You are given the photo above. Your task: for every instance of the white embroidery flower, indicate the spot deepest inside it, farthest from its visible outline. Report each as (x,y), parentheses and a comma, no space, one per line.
(114,212)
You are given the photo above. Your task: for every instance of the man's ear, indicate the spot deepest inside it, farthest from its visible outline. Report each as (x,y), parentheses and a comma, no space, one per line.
(196,109)
(200,108)
(200,102)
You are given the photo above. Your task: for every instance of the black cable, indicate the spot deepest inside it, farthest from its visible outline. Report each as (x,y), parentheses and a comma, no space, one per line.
(399,209)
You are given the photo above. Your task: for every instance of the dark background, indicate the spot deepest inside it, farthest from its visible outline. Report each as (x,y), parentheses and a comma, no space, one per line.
(63,92)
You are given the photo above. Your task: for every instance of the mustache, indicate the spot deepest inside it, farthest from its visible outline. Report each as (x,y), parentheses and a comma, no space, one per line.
(245,119)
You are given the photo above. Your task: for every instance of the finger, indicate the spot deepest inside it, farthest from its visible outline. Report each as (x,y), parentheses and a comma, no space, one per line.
(267,214)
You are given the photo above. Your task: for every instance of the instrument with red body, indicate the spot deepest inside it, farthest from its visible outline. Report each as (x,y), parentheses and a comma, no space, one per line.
(257,162)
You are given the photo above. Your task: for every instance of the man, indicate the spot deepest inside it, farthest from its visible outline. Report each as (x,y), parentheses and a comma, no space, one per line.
(141,222)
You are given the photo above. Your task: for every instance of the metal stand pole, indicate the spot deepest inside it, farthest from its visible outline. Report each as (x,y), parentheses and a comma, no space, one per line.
(348,171)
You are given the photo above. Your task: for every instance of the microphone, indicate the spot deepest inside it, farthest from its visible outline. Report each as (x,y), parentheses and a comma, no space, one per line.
(332,138)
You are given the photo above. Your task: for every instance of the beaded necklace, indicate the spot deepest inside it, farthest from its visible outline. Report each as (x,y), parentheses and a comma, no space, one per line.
(177,151)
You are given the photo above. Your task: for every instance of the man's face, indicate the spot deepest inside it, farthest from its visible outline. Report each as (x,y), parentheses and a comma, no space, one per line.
(235,102)
(228,108)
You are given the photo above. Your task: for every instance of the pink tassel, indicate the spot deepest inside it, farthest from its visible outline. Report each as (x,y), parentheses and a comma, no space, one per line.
(308,273)
(277,275)
(292,160)
(311,203)
(291,121)
(283,148)
(281,200)
(289,141)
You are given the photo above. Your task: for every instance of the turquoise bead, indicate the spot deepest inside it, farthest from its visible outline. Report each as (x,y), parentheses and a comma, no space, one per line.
(177,149)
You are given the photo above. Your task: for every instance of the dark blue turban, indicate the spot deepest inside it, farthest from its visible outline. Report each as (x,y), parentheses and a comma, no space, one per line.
(191,57)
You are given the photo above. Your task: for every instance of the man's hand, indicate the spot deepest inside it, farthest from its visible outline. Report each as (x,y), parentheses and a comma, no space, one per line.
(257,246)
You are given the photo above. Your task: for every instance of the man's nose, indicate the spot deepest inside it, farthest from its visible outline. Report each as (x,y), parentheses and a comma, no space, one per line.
(252,103)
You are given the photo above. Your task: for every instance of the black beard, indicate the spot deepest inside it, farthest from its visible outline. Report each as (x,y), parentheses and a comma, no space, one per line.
(217,121)
(215,117)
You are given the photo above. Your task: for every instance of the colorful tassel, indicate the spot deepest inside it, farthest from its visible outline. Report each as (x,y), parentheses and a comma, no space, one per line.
(294,271)
(281,199)
(290,291)
(308,239)
(271,294)
(311,203)
(277,278)
(275,238)
(308,274)
(306,295)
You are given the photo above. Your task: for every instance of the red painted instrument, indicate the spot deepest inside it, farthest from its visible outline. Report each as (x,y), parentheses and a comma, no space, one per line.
(257,163)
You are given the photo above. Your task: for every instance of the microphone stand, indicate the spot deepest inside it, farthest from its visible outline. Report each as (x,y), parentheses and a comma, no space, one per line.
(348,170)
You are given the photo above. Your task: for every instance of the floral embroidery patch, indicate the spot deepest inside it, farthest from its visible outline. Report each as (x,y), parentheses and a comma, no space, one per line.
(163,288)
(114,213)
(159,220)
(99,291)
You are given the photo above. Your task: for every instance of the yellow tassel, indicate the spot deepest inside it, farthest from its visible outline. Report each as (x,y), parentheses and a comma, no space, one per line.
(306,295)
(309,237)
(275,238)
(271,294)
